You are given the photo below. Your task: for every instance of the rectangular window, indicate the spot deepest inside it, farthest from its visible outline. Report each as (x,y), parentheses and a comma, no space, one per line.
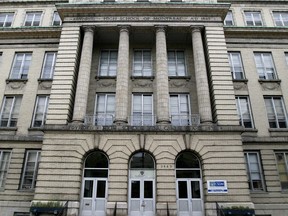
(142,113)
(280,18)
(253,18)
(29,176)
(48,65)
(276,112)
(254,171)
(40,111)
(265,66)
(236,66)
(21,66)
(282,165)
(104,109)
(180,110)
(10,111)
(229,19)
(33,19)
(5,157)
(176,63)
(108,63)
(142,64)
(56,19)
(244,112)
(6,19)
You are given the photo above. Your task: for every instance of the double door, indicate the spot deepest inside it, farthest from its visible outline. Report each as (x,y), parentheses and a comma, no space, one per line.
(189,197)
(94,194)
(142,197)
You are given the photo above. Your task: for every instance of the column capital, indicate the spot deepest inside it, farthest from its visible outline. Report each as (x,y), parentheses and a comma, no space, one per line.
(160,28)
(88,28)
(125,28)
(196,28)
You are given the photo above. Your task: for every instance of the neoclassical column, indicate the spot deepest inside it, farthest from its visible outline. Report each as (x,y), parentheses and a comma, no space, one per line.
(83,76)
(122,88)
(204,102)
(162,84)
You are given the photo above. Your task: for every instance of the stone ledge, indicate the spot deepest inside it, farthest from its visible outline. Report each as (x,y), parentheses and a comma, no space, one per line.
(250,139)
(21,138)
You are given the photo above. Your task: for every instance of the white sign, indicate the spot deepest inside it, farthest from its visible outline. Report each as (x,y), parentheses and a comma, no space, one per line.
(217,186)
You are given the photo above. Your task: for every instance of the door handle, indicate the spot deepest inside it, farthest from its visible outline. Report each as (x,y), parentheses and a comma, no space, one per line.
(143,204)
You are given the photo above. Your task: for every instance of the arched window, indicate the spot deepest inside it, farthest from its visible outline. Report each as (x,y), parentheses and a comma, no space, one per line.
(142,160)
(187,166)
(96,165)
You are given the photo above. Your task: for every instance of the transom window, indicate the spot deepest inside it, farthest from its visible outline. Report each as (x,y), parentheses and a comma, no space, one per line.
(56,19)
(40,111)
(6,19)
(30,170)
(48,65)
(96,165)
(254,171)
(104,109)
(265,66)
(253,18)
(229,19)
(33,19)
(244,112)
(142,109)
(10,111)
(277,115)
(5,157)
(280,18)
(142,65)
(282,165)
(142,160)
(108,63)
(236,66)
(176,63)
(21,66)
(187,166)
(180,109)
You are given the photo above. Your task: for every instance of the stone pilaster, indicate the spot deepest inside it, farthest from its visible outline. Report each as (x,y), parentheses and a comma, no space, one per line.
(162,85)
(201,77)
(122,89)
(83,76)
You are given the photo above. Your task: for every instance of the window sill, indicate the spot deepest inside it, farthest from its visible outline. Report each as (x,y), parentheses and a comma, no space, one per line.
(8,128)
(44,80)
(240,80)
(27,190)
(16,80)
(36,128)
(278,132)
(105,77)
(269,81)
(179,77)
(142,77)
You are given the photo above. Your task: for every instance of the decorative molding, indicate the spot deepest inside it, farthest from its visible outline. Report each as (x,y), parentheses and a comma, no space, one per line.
(16,84)
(142,83)
(270,86)
(178,83)
(106,83)
(242,86)
(44,85)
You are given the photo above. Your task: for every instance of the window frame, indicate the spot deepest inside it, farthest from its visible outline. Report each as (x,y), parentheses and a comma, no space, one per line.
(105,107)
(286,167)
(272,99)
(55,15)
(229,14)
(11,110)
(253,20)
(35,169)
(44,114)
(250,172)
(232,65)
(20,74)
(142,115)
(187,95)
(51,73)
(176,63)
(240,114)
(265,66)
(34,13)
(281,18)
(5,171)
(109,57)
(6,14)
(142,63)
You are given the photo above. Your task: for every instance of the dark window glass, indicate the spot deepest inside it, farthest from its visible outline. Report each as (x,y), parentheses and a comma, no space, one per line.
(88,188)
(148,189)
(188,174)
(142,160)
(96,160)
(96,173)
(101,188)
(182,189)
(135,189)
(195,189)
(187,160)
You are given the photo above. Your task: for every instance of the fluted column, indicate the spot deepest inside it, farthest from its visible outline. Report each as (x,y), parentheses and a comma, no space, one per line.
(204,102)
(82,88)
(122,89)
(162,84)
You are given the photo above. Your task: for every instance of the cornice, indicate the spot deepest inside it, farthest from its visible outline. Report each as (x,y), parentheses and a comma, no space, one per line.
(136,9)
(30,32)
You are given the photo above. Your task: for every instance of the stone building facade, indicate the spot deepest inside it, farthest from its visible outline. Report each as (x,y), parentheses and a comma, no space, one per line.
(144,107)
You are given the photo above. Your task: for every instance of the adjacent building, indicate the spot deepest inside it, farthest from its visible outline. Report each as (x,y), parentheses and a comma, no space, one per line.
(144,107)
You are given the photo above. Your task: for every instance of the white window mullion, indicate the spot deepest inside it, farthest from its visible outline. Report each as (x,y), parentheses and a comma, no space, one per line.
(275,112)
(11,111)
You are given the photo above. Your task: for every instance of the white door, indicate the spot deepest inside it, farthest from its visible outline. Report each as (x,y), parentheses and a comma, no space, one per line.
(141,197)
(94,197)
(189,197)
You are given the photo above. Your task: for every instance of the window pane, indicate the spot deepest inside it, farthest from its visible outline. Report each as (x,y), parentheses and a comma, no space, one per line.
(254,171)
(10,111)
(4,164)
(148,189)
(30,170)
(88,188)
(105,109)
(135,189)
(101,189)
(182,190)
(195,189)
(49,65)
(142,160)
(282,169)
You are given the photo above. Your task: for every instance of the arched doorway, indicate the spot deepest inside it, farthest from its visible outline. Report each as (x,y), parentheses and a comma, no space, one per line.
(189,185)
(94,185)
(142,185)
